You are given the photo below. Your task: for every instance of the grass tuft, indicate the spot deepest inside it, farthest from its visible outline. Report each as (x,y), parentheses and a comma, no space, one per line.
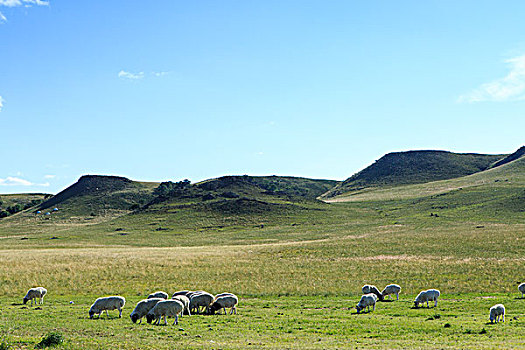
(51,339)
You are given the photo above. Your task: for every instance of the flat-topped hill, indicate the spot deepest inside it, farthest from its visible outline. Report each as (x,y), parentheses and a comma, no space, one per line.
(412,167)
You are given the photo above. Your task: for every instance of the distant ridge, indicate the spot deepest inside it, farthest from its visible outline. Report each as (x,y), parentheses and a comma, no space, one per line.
(412,167)
(516,155)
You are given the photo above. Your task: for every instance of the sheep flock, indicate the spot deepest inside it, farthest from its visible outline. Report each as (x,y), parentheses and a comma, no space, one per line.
(158,305)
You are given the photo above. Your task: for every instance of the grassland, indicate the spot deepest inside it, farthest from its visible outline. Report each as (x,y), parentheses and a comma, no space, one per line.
(298,271)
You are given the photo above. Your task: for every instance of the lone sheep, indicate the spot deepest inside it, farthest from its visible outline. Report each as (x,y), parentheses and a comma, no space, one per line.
(367,289)
(426,296)
(521,288)
(391,289)
(162,295)
(165,308)
(225,301)
(367,300)
(35,293)
(107,303)
(496,312)
(142,309)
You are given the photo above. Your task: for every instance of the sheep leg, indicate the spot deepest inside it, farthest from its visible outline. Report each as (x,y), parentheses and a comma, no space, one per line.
(119,312)
(107,314)
(397,296)
(374,307)
(165,320)
(435,303)
(176,319)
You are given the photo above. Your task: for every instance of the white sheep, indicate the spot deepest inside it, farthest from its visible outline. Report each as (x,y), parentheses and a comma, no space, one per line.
(107,303)
(165,308)
(222,294)
(521,288)
(186,302)
(391,289)
(367,300)
(426,296)
(225,300)
(35,293)
(181,292)
(367,289)
(496,312)
(203,299)
(142,309)
(159,294)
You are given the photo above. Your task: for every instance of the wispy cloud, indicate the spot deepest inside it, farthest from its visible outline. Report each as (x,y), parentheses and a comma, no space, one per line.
(160,74)
(131,76)
(509,88)
(17,3)
(17,181)
(1,103)
(136,76)
(49,176)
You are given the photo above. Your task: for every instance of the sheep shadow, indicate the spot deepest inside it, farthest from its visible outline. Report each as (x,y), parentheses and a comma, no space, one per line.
(422,307)
(519,298)
(387,300)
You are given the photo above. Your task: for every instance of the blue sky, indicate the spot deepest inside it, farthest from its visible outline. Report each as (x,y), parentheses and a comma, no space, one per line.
(167,90)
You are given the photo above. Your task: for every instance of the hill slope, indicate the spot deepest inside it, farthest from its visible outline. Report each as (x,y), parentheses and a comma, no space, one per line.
(412,167)
(95,195)
(502,187)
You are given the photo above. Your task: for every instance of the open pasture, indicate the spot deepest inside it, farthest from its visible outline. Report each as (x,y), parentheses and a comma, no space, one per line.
(294,293)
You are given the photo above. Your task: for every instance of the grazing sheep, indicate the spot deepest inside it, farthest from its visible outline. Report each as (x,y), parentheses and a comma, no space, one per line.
(391,289)
(496,312)
(107,303)
(166,308)
(186,302)
(142,308)
(224,301)
(199,300)
(222,294)
(367,300)
(367,289)
(160,294)
(181,292)
(521,288)
(34,293)
(426,296)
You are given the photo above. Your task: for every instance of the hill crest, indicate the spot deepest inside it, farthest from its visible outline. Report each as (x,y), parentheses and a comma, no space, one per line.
(412,167)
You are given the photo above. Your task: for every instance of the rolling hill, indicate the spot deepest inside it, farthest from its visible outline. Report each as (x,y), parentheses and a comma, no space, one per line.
(413,167)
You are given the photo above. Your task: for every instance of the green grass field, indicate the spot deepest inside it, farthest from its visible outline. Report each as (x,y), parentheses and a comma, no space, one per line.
(298,270)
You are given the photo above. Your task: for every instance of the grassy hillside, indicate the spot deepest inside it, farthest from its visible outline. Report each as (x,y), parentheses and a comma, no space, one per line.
(401,168)
(297,265)
(505,183)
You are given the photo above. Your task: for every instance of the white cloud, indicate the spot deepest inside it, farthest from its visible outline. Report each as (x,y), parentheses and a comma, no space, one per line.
(160,74)
(15,3)
(509,88)
(16,181)
(131,76)
(1,103)
(49,176)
